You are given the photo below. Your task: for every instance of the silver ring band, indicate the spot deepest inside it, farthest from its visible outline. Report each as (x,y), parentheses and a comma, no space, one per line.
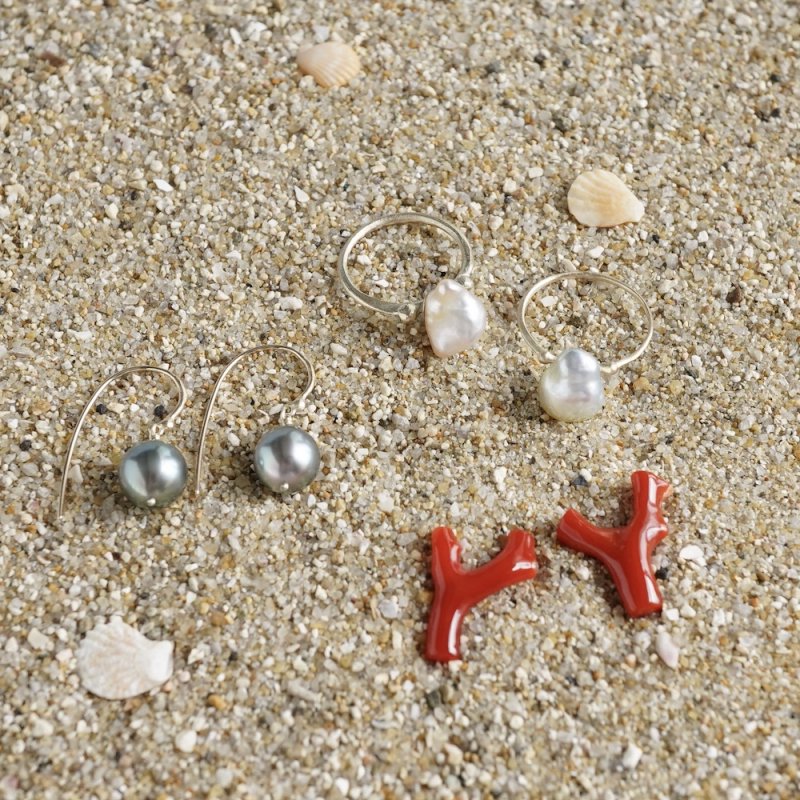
(546,355)
(409,308)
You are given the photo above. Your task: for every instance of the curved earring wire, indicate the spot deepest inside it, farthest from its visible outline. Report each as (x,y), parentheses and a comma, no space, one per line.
(200,465)
(176,382)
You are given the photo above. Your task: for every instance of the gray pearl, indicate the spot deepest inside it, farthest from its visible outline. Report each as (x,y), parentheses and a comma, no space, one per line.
(152,474)
(287,459)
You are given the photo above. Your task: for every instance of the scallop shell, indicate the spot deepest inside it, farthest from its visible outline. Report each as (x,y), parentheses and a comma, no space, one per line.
(599,198)
(330,63)
(115,661)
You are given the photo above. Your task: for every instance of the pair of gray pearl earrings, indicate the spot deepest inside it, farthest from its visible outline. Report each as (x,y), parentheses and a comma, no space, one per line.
(154,473)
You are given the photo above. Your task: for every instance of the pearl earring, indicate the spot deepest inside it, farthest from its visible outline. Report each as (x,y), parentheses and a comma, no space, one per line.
(454,317)
(571,386)
(286,458)
(152,473)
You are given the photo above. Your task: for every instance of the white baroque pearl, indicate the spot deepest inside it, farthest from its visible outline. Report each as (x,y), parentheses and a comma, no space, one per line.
(454,318)
(571,388)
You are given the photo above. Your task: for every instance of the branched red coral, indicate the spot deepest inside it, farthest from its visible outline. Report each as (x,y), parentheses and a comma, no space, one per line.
(626,552)
(457,590)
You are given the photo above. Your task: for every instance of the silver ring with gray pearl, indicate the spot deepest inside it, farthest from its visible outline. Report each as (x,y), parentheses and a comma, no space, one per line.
(287,459)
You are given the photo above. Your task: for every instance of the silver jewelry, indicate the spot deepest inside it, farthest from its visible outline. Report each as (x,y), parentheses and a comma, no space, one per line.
(152,473)
(454,317)
(571,387)
(286,458)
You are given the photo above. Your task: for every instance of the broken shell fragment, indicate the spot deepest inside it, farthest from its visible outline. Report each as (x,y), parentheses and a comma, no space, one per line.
(330,63)
(600,199)
(116,662)
(667,650)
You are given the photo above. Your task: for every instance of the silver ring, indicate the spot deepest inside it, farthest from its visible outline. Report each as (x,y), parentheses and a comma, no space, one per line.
(406,309)
(590,277)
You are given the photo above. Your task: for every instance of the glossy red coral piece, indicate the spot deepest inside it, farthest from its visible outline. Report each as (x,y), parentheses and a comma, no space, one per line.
(456,590)
(626,552)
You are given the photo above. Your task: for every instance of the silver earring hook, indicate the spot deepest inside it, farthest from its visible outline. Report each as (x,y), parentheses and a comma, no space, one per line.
(546,355)
(407,308)
(200,466)
(158,426)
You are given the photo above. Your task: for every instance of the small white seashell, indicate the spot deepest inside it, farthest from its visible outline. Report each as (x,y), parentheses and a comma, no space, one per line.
(599,198)
(667,650)
(329,63)
(115,661)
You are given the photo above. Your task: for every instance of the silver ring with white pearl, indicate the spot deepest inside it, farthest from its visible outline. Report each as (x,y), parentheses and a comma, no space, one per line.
(571,387)
(152,473)
(454,317)
(286,458)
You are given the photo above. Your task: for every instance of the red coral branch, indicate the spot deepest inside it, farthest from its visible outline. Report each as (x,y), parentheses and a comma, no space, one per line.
(626,552)
(457,590)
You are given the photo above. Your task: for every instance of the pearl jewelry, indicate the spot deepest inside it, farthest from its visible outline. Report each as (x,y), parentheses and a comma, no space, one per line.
(454,318)
(571,388)
(287,459)
(152,474)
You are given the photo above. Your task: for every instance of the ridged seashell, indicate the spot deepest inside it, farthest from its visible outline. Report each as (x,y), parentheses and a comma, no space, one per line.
(599,198)
(329,63)
(115,661)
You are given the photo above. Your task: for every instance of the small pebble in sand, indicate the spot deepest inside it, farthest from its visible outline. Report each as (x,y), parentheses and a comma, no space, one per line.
(185,741)
(40,728)
(224,777)
(692,552)
(38,641)
(631,757)
(667,650)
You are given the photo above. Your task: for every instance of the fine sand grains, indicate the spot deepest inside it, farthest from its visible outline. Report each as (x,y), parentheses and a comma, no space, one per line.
(173,190)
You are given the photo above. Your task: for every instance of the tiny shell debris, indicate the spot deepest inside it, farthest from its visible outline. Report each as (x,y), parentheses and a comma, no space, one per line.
(116,662)
(692,552)
(667,650)
(600,199)
(330,63)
